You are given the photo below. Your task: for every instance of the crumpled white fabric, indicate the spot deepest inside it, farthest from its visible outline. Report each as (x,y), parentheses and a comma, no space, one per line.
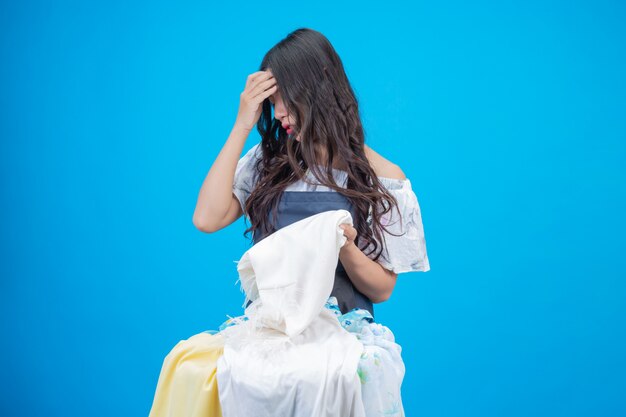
(291,357)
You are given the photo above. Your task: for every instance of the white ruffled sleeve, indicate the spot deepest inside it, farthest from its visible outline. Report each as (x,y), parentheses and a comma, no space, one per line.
(246,175)
(406,253)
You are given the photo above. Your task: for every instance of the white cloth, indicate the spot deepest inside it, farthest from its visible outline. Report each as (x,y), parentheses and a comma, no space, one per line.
(404,248)
(291,357)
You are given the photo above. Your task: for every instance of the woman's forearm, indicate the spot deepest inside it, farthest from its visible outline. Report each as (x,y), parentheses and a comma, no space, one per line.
(368,276)
(215,195)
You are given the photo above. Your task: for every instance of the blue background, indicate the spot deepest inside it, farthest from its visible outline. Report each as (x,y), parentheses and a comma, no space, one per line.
(508,117)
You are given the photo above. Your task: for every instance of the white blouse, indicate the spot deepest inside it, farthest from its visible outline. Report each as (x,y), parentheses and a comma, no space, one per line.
(406,253)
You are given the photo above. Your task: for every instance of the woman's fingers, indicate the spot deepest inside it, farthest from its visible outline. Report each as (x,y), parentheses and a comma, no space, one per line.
(252,77)
(265,94)
(262,87)
(256,77)
(349,231)
(257,89)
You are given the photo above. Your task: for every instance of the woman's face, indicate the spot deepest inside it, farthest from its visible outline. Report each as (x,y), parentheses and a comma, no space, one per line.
(280,112)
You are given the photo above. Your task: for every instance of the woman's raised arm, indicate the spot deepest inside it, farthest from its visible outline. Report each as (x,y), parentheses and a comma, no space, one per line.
(217,206)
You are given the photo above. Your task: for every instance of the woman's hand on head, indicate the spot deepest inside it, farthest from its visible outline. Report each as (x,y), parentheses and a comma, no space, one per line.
(259,86)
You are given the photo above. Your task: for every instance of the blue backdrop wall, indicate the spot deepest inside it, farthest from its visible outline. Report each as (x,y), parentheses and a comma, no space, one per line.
(507,116)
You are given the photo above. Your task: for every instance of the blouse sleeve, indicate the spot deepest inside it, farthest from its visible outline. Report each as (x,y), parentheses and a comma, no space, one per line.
(246,175)
(405,253)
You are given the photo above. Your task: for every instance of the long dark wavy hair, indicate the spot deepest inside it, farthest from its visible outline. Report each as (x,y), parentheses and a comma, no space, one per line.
(316,92)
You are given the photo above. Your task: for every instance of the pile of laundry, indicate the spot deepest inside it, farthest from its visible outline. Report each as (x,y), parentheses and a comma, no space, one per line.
(293,353)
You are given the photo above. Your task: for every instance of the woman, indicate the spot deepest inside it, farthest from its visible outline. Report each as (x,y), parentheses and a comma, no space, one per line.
(312,158)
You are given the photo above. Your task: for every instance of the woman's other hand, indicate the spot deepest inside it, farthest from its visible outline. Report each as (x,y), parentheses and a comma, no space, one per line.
(349,232)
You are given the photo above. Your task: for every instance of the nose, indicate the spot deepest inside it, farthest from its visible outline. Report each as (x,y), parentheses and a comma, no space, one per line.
(279,112)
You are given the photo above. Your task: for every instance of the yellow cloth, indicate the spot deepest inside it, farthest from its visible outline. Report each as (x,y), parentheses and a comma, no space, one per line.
(187,385)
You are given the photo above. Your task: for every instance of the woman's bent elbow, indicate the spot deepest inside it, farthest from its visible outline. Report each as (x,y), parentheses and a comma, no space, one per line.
(203,225)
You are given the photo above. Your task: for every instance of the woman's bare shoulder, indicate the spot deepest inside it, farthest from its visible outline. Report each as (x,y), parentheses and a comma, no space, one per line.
(382,166)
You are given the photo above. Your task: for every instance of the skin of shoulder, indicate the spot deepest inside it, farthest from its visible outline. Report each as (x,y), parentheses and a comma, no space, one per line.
(382,166)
